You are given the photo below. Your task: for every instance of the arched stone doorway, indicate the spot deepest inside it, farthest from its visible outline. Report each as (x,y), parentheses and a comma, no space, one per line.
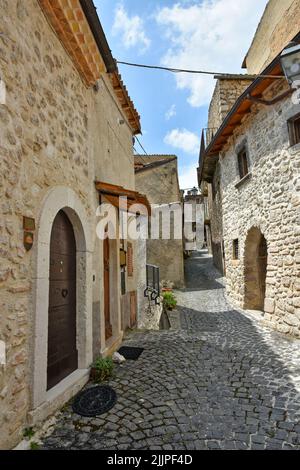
(62,347)
(256,260)
(60,200)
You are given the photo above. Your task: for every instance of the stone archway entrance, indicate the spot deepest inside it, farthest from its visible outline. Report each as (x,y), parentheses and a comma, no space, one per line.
(61,202)
(256,260)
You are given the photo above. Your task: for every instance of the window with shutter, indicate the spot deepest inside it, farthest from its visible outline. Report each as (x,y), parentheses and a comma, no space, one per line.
(243,163)
(294,130)
(129,259)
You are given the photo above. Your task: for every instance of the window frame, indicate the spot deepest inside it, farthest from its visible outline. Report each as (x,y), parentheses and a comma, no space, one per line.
(235,249)
(243,152)
(294,133)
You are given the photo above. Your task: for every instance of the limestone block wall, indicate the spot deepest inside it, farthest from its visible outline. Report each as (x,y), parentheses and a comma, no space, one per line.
(278,26)
(226,93)
(270,201)
(43,143)
(216,222)
(161,187)
(52,134)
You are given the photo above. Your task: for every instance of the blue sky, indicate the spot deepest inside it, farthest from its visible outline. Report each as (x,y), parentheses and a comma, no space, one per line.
(209,35)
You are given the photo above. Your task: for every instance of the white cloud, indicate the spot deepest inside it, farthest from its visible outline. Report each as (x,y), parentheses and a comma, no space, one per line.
(188,177)
(171,112)
(131,30)
(212,35)
(184,140)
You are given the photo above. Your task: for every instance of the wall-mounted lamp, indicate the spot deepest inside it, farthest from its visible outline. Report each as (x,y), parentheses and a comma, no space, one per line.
(290,62)
(121,122)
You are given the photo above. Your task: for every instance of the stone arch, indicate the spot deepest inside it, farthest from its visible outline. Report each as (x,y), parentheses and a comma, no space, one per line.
(60,198)
(255,269)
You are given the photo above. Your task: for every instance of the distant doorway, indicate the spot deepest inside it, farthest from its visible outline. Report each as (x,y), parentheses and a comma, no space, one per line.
(256,261)
(106,263)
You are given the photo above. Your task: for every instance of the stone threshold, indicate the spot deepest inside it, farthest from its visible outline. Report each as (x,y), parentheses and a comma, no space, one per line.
(58,396)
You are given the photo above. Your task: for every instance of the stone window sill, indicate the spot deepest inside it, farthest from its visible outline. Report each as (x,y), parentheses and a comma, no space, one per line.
(243,180)
(294,148)
(235,262)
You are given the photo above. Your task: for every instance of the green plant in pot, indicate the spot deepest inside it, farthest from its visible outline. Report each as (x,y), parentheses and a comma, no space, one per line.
(169,300)
(101,369)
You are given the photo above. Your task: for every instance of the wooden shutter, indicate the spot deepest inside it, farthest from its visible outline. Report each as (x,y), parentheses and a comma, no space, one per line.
(133,308)
(129,259)
(243,163)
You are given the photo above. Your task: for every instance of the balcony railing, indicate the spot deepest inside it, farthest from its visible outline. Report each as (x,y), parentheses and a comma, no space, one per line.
(208,134)
(152,290)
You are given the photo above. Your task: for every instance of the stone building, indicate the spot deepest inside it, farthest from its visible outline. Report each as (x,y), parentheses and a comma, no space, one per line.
(67,122)
(250,166)
(193,221)
(157,177)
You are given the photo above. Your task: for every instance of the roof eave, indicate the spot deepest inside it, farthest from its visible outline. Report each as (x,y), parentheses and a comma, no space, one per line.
(91,15)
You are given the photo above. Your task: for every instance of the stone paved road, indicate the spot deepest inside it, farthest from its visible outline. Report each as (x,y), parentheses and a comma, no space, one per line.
(219,381)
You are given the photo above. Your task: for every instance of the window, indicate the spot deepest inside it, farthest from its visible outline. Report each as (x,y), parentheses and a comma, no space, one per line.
(243,163)
(294,130)
(236,253)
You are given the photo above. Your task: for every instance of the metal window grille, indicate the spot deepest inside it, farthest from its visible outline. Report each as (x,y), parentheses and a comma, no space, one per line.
(152,290)
(236,250)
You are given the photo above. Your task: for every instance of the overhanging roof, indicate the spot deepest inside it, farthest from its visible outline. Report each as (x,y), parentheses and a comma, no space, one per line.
(77,25)
(209,155)
(113,193)
(146,162)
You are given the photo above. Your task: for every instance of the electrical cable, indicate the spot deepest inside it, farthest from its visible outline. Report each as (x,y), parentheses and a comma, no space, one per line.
(202,72)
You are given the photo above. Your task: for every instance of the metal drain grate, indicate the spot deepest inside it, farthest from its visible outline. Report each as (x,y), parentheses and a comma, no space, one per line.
(94,401)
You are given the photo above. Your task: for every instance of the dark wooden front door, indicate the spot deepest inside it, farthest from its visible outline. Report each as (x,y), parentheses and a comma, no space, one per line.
(106,255)
(62,352)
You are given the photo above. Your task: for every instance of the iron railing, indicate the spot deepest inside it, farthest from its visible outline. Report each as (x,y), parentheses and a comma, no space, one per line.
(207,136)
(152,290)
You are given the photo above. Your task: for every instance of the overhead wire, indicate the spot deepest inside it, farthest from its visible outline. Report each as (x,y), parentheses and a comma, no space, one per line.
(147,163)
(202,72)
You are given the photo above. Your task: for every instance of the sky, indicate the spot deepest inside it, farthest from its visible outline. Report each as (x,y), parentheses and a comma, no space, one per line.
(212,35)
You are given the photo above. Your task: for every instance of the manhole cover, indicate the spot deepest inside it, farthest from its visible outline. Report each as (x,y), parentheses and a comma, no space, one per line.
(94,401)
(130,352)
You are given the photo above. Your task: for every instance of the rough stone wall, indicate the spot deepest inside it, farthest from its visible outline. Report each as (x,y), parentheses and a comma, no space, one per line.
(279,25)
(160,185)
(269,200)
(225,95)
(216,225)
(149,313)
(43,143)
(112,150)
(50,130)
(194,212)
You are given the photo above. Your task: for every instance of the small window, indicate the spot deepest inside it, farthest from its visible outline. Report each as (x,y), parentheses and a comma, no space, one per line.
(236,253)
(243,163)
(294,130)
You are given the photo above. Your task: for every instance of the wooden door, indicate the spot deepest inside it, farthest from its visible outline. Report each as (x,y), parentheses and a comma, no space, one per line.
(62,351)
(106,259)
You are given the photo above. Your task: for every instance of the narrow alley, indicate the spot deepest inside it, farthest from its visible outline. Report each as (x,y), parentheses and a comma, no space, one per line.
(218,379)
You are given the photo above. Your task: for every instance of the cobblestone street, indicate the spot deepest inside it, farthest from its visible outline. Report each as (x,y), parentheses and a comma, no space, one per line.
(218,379)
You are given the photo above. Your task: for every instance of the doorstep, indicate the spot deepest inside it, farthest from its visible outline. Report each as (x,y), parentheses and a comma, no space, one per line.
(58,396)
